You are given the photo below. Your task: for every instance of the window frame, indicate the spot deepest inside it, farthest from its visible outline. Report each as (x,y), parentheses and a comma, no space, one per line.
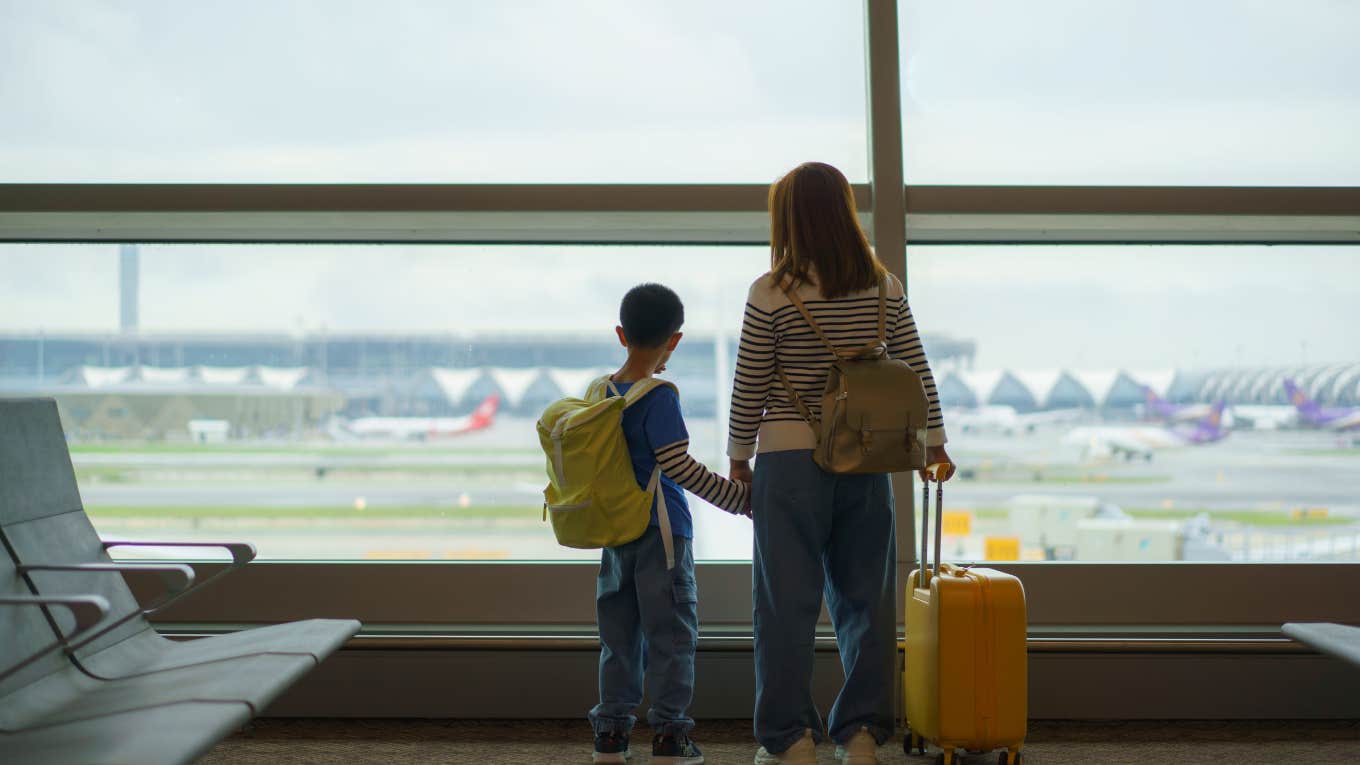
(896,214)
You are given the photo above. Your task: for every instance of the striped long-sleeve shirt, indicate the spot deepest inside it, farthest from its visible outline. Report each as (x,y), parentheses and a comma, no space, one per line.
(762,413)
(689,473)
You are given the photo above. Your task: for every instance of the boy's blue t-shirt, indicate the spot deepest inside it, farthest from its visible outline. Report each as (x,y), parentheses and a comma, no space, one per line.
(651,423)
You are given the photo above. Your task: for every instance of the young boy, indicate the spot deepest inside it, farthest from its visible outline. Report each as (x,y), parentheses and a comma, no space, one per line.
(639,604)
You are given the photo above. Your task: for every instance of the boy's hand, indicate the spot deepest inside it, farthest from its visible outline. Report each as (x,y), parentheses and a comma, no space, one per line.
(740,471)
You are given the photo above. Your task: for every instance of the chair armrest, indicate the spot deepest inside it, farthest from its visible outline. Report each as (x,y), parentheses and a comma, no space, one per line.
(241,554)
(176,577)
(88,610)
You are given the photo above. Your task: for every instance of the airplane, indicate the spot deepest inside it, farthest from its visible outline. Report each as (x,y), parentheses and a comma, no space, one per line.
(1255,417)
(1133,442)
(420,428)
(1158,408)
(1005,419)
(1265,417)
(1330,418)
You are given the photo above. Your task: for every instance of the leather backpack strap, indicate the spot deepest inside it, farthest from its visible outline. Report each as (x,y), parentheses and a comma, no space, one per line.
(792,295)
(797,400)
(883,310)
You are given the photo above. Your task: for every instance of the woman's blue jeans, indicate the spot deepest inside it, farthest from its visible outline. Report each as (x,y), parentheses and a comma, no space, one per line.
(815,533)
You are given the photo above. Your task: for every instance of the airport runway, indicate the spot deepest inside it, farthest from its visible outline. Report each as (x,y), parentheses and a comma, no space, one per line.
(1249,471)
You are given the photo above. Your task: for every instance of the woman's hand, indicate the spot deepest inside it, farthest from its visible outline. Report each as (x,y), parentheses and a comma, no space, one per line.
(740,470)
(936,455)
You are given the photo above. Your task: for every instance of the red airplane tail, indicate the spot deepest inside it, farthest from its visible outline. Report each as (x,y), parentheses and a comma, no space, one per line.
(485,413)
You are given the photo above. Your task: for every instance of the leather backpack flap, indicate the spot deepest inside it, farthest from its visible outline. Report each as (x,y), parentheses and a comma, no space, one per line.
(883,395)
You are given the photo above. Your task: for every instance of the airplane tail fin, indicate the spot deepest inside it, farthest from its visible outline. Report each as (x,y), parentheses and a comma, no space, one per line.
(1156,404)
(485,413)
(1305,406)
(1211,427)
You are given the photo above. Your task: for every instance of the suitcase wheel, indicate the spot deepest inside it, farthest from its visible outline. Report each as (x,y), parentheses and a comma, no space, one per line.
(912,741)
(1008,758)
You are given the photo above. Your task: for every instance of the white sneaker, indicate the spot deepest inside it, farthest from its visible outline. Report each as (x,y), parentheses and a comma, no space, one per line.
(803,752)
(861,749)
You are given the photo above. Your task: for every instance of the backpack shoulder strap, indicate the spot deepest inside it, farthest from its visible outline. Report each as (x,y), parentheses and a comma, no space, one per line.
(883,310)
(598,390)
(792,295)
(643,387)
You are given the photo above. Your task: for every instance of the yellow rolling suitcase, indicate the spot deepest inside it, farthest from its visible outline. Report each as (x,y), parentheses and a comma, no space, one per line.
(965,680)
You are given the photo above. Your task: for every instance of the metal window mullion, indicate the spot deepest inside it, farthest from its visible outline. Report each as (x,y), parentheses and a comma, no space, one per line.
(888,208)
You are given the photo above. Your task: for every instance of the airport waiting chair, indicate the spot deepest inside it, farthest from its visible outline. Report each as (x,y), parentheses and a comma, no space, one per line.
(52,712)
(66,680)
(56,547)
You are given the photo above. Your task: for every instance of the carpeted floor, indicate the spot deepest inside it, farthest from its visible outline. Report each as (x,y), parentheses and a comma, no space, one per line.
(506,742)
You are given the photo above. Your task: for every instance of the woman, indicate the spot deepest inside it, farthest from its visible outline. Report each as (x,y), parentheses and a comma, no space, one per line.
(816,530)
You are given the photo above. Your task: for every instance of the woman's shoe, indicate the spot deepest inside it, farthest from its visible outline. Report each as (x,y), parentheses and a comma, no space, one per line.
(803,752)
(860,749)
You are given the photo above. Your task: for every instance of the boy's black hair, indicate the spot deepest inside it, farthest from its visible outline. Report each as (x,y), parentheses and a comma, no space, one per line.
(650,314)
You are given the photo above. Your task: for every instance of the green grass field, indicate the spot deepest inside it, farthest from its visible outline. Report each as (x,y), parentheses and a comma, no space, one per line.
(1244,517)
(319,450)
(477,512)
(1261,518)
(1338,452)
(1031,477)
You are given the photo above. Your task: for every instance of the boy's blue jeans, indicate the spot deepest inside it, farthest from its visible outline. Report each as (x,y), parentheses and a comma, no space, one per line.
(815,532)
(649,624)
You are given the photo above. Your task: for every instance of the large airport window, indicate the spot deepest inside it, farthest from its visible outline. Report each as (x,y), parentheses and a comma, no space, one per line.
(1159,92)
(1148,403)
(414,92)
(347,402)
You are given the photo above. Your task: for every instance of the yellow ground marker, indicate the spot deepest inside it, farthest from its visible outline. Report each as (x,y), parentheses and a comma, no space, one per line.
(1002,548)
(957,523)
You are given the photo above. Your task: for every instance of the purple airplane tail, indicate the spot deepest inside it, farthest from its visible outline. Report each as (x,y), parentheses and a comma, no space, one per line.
(1210,428)
(1158,406)
(1307,408)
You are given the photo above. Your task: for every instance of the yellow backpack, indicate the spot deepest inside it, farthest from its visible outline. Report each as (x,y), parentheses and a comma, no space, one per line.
(592,495)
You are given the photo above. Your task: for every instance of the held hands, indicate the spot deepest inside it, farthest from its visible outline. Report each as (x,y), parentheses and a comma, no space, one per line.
(740,471)
(936,455)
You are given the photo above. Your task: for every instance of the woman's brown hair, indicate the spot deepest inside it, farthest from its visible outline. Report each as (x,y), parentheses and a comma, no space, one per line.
(813,230)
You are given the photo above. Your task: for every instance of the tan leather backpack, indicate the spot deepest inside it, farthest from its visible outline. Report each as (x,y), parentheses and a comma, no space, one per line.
(874,408)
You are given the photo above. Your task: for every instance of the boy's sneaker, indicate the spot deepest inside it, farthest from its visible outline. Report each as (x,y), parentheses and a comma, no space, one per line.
(675,750)
(861,749)
(803,752)
(611,748)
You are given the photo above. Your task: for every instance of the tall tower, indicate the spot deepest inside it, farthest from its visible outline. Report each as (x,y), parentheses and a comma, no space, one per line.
(128,275)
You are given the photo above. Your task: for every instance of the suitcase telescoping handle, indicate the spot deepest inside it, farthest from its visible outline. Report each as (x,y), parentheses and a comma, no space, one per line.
(932,471)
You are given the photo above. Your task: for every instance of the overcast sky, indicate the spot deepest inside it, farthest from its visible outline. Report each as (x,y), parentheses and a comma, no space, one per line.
(1051,91)
(1047,91)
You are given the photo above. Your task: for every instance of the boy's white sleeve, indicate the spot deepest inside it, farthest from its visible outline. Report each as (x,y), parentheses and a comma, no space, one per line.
(677,464)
